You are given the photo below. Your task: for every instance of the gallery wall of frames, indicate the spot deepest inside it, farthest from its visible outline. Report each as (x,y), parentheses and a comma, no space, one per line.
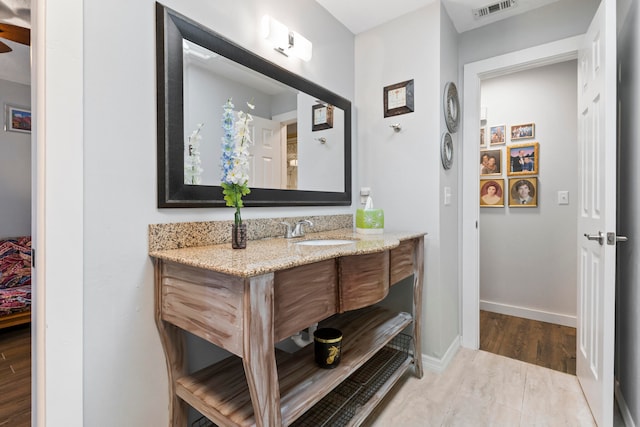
(509,165)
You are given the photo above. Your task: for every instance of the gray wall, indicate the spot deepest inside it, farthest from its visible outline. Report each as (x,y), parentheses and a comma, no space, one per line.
(549,23)
(125,377)
(403,169)
(15,166)
(528,262)
(448,302)
(628,276)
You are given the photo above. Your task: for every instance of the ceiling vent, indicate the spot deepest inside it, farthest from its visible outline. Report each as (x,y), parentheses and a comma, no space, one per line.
(491,9)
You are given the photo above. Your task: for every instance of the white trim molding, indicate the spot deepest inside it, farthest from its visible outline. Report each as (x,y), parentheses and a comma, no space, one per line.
(439,365)
(474,72)
(529,313)
(622,405)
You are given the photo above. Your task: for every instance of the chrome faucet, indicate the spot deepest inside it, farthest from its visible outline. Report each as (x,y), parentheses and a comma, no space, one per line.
(298,230)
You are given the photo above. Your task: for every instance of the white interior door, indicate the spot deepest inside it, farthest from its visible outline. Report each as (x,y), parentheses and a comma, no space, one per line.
(265,156)
(597,212)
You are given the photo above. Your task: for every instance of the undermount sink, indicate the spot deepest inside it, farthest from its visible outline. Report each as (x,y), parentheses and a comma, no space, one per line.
(325,242)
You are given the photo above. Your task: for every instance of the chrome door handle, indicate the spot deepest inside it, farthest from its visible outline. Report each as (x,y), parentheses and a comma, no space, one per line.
(612,238)
(598,237)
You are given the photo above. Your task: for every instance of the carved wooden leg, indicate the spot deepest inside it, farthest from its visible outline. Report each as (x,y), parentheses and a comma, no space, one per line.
(259,352)
(174,350)
(418,277)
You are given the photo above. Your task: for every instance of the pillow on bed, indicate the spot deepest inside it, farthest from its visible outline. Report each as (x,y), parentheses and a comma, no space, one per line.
(15,262)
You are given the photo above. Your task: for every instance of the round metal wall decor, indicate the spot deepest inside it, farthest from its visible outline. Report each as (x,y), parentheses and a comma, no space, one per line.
(451,106)
(446,150)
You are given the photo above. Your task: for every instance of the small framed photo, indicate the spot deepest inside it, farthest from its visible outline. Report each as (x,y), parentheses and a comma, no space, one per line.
(523,159)
(17,119)
(398,98)
(524,131)
(492,193)
(491,162)
(322,117)
(496,135)
(483,136)
(523,192)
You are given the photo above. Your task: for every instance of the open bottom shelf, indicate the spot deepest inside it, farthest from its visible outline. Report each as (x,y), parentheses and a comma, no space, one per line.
(351,402)
(220,391)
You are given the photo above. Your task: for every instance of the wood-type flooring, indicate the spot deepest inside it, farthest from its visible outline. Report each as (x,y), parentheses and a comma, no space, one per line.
(540,343)
(15,376)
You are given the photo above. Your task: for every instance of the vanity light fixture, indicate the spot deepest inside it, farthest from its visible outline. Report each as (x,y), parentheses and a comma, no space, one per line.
(285,41)
(193,51)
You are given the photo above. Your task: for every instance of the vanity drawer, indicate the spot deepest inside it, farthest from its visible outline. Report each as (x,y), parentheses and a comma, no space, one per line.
(402,259)
(303,296)
(206,303)
(364,280)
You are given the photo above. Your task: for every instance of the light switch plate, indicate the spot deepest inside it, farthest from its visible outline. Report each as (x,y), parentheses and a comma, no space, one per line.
(563,197)
(447,196)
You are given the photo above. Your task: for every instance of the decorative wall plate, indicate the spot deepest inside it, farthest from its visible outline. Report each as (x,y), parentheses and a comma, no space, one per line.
(446,150)
(451,106)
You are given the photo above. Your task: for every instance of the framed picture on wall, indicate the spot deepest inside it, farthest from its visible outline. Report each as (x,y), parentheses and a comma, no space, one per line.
(523,159)
(483,136)
(17,119)
(491,162)
(398,98)
(524,131)
(492,193)
(523,192)
(496,135)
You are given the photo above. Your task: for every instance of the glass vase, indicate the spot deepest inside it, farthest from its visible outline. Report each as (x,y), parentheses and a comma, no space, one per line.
(239,236)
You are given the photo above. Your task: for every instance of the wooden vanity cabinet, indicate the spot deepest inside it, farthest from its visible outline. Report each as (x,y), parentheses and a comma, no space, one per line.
(364,280)
(264,386)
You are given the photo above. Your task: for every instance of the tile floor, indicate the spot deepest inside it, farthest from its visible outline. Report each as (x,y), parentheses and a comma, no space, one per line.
(484,389)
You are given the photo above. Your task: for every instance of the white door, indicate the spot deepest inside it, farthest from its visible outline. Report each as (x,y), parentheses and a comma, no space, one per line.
(265,156)
(597,212)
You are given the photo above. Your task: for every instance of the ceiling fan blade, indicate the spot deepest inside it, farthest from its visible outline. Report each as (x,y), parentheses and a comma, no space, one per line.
(4,48)
(15,33)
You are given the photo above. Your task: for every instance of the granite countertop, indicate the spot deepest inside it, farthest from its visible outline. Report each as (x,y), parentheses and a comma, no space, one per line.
(273,254)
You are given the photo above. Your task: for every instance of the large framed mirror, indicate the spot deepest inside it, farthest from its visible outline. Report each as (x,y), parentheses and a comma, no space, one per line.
(302,132)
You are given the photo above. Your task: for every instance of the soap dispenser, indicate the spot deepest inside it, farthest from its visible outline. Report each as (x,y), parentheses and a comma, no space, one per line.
(369,220)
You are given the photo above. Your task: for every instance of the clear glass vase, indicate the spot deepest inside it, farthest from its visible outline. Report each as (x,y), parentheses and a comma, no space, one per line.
(239,236)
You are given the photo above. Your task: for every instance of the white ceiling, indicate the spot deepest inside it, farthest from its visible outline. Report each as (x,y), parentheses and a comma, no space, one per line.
(362,15)
(356,15)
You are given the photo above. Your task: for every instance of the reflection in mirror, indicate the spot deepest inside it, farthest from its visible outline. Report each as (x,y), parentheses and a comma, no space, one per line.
(281,158)
(301,132)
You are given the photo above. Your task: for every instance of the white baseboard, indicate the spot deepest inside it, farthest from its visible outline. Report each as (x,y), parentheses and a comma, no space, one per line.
(528,313)
(439,365)
(622,405)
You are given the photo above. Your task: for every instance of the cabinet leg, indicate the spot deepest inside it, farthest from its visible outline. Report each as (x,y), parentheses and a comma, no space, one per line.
(418,278)
(174,350)
(259,356)
(173,343)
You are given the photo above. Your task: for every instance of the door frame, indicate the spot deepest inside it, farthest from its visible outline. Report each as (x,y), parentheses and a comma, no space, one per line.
(474,72)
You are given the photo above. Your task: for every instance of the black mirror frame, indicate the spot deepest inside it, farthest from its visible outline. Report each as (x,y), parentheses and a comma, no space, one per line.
(171,29)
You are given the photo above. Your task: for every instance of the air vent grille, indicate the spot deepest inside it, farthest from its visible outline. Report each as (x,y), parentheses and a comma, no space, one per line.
(493,8)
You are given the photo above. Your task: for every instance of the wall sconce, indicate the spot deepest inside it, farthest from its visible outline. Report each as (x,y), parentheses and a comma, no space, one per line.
(285,41)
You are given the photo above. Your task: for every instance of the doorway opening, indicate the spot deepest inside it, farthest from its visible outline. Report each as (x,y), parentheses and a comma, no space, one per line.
(527,219)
